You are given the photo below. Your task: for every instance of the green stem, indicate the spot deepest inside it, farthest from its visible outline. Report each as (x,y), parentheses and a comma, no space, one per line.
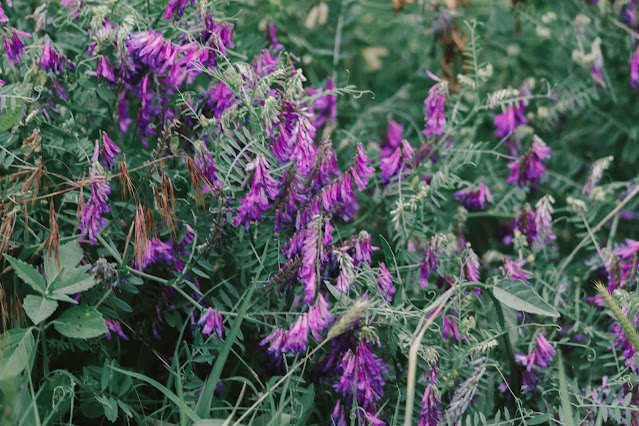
(514,371)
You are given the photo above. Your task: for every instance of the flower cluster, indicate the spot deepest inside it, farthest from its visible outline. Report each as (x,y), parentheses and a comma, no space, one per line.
(530,167)
(474,199)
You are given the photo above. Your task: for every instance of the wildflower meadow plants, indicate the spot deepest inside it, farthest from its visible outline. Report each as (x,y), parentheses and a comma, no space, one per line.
(335,212)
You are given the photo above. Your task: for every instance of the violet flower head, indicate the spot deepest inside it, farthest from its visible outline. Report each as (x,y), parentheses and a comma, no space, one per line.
(622,341)
(515,269)
(123,113)
(175,8)
(474,199)
(105,69)
(109,151)
(91,220)
(156,251)
(402,157)
(272,38)
(435,119)
(538,360)
(430,263)
(204,162)
(529,168)
(324,107)
(385,283)
(310,258)
(512,117)
(362,373)
(4,19)
(74,7)
(52,60)
(212,321)
(634,69)
(393,139)
(114,326)
(319,317)
(13,46)
(431,414)
(543,222)
(470,266)
(450,325)
(359,168)
(263,188)
(464,394)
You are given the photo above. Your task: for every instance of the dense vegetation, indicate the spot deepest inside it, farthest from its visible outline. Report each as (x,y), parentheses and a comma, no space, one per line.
(319,212)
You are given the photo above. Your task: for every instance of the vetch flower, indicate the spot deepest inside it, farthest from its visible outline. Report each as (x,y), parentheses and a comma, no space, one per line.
(474,199)
(272,38)
(512,117)
(204,162)
(52,60)
(435,119)
(212,321)
(529,168)
(400,158)
(13,46)
(393,139)
(543,222)
(263,188)
(156,251)
(622,341)
(538,360)
(432,251)
(634,69)
(91,220)
(74,7)
(359,168)
(431,414)
(514,269)
(385,282)
(463,396)
(114,326)
(469,268)
(105,69)
(108,151)
(175,8)
(324,107)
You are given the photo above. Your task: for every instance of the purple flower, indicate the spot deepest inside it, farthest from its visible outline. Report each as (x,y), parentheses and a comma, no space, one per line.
(272,38)
(114,326)
(4,19)
(470,266)
(385,282)
(175,8)
(214,40)
(464,394)
(155,251)
(394,164)
(362,376)
(450,325)
(474,199)
(512,117)
(514,269)
(105,69)
(109,150)
(204,162)
(123,112)
(543,222)
(634,69)
(319,317)
(13,46)
(53,60)
(310,259)
(74,6)
(431,414)
(359,168)
(393,139)
(429,265)
(337,417)
(212,321)
(91,220)
(435,119)
(623,343)
(263,188)
(538,360)
(220,98)
(529,168)
(324,107)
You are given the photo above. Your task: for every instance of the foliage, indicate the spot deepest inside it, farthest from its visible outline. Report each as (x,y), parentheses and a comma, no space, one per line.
(231,212)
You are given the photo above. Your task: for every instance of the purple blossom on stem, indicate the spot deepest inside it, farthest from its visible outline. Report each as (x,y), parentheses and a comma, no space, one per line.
(514,269)
(538,360)
(52,60)
(123,112)
(469,268)
(431,414)
(114,326)
(13,46)
(105,69)
(464,394)
(91,220)
(435,119)
(272,38)
(393,139)
(385,282)
(393,164)
(634,69)
(543,222)
(474,199)
(204,162)
(263,188)
(74,7)
(4,19)
(512,117)
(108,151)
(175,8)
(155,251)
(212,321)
(529,168)
(429,265)
(324,107)
(596,68)
(623,343)
(359,168)
(214,41)
(450,325)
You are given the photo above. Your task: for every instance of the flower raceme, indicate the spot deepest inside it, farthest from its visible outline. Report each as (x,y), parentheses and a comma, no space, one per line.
(435,119)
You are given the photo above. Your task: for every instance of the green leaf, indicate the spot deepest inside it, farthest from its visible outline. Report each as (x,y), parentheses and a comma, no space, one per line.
(27,273)
(12,117)
(15,351)
(519,296)
(39,308)
(70,255)
(566,407)
(81,322)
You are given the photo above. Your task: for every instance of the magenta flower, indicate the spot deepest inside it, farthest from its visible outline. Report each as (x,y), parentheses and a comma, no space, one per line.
(324,109)
(263,188)
(514,269)
(385,282)
(156,251)
(359,168)
(474,199)
(529,168)
(214,41)
(429,265)
(175,8)
(204,162)
(13,46)
(435,119)
(52,60)
(74,7)
(623,343)
(319,317)
(105,69)
(401,158)
(538,360)
(114,326)
(634,69)
(109,150)
(450,325)
(431,414)
(212,321)
(123,112)
(272,38)
(512,117)
(91,220)
(393,139)
(4,19)
(469,268)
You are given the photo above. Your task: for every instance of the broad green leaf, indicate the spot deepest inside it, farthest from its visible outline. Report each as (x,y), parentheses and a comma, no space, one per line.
(15,351)
(73,281)
(81,322)
(39,308)
(521,297)
(12,117)
(70,255)
(27,273)
(564,395)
